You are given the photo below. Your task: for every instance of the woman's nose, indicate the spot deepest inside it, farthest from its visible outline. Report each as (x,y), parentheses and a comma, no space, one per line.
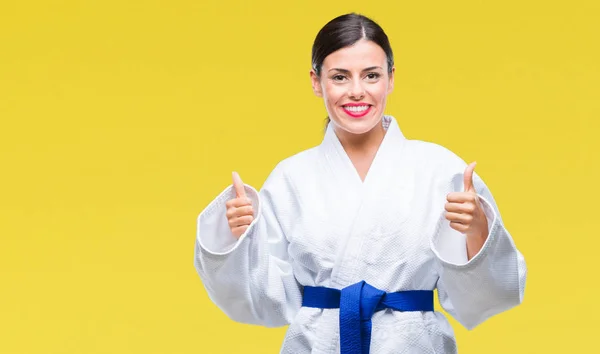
(357,91)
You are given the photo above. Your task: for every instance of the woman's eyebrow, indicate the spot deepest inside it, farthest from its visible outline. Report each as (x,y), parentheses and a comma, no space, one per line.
(348,71)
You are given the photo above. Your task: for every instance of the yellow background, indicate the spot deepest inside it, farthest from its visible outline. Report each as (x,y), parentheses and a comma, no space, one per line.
(121,120)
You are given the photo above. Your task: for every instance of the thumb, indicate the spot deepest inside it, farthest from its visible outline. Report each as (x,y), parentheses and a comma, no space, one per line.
(238,185)
(468,177)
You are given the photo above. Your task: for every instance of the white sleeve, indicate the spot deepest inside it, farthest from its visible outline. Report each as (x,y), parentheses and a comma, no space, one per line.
(251,279)
(493,280)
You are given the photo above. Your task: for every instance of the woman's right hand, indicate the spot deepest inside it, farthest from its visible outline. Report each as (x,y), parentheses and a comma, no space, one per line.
(239,210)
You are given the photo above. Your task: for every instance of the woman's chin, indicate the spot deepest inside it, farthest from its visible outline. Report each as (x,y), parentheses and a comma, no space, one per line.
(357,126)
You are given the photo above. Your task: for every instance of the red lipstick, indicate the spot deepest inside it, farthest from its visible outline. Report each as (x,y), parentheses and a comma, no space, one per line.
(356,113)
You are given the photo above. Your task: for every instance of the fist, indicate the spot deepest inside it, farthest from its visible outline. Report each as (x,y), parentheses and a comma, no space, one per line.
(239,210)
(464,210)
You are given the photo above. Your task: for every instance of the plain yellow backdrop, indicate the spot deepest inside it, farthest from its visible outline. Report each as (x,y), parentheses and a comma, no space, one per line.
(121,120)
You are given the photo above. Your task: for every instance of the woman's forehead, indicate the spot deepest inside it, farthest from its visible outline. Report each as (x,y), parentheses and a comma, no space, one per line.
(362,54)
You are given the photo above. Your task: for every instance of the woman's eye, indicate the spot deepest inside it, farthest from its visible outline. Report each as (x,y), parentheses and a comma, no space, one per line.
(338,78)
(373,76)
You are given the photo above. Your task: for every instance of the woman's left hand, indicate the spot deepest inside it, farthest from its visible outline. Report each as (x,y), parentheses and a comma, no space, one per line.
(466,215)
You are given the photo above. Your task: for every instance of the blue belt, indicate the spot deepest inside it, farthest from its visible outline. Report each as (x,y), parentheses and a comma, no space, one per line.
(357,304)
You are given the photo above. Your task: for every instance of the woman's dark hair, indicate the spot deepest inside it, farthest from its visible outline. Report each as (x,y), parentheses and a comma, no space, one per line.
(344,31)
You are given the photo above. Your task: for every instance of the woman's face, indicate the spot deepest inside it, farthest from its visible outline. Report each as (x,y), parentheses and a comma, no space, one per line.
(354,84)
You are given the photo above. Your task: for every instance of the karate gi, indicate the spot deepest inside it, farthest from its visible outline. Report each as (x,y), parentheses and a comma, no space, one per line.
(318,224)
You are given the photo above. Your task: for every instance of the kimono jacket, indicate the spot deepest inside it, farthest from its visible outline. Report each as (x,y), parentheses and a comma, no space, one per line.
(317,224)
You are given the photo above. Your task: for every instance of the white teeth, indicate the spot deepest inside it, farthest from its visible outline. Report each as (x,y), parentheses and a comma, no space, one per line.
(356,108)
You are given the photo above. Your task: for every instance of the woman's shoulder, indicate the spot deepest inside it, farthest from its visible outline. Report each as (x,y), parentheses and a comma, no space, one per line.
(437,155)
(296,164)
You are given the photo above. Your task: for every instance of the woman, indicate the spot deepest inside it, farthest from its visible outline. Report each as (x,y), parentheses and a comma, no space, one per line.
(346,241)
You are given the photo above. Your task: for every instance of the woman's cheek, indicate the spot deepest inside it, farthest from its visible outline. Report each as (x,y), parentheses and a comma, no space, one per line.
(335,93)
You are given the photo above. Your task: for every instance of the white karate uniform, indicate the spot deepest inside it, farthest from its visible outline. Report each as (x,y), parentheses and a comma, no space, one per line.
(317,224)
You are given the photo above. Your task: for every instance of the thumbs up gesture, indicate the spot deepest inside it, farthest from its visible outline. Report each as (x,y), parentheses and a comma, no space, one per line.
(239,210)
(465,213)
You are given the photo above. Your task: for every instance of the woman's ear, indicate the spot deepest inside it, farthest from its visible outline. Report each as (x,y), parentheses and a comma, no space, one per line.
(391,82)
(316,84)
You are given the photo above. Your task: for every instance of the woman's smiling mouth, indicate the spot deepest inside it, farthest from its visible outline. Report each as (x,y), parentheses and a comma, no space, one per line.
(356,110)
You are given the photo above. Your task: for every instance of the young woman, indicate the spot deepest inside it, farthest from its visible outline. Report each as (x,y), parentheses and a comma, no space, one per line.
(346,241)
